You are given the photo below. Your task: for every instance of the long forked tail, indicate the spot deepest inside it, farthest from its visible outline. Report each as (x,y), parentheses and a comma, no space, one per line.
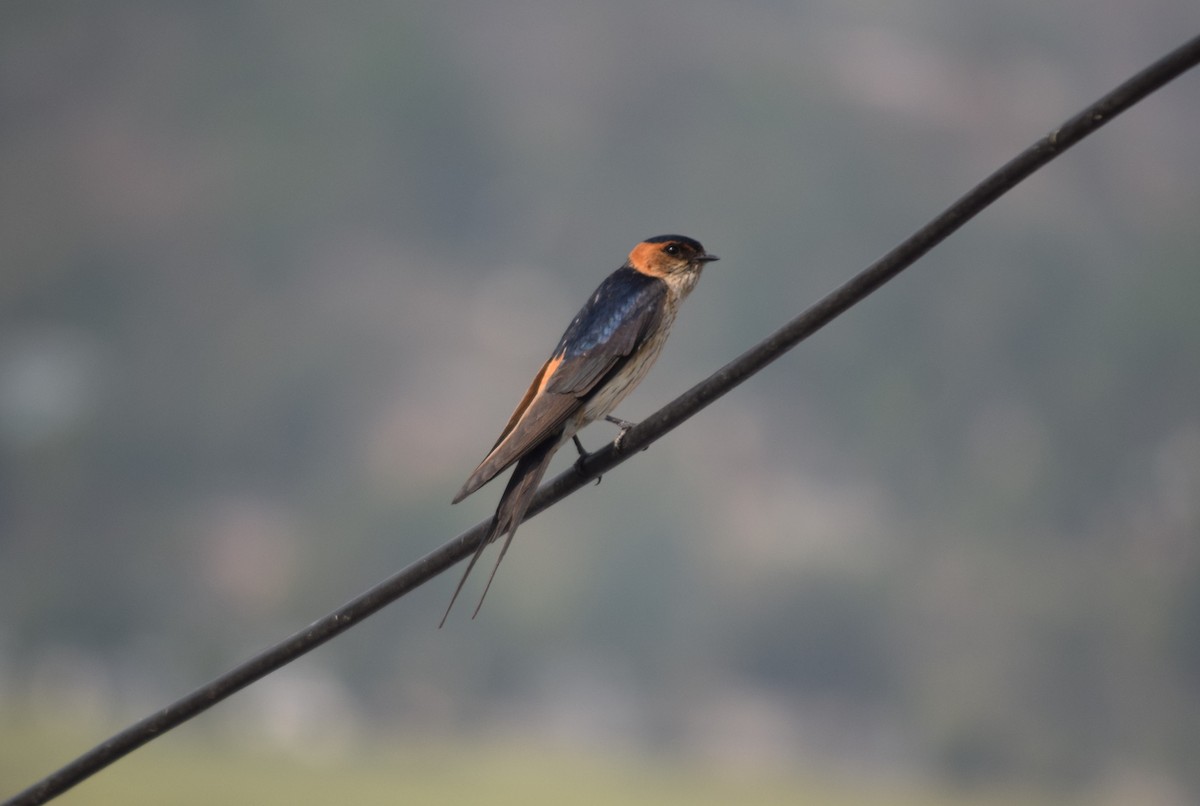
(509,514)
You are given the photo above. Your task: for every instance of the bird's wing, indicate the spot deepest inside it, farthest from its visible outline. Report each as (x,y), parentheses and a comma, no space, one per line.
(609,328)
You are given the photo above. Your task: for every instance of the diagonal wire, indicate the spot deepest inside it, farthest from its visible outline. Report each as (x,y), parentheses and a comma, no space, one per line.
(649,430)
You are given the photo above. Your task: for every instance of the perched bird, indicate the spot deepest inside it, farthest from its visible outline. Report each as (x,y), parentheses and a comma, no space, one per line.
(604,353)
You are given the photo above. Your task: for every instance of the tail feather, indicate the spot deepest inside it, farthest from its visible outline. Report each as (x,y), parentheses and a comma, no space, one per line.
(488,537)
(514,503)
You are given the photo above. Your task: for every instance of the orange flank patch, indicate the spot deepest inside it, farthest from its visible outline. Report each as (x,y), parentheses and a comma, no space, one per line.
(548,370)
(539,383)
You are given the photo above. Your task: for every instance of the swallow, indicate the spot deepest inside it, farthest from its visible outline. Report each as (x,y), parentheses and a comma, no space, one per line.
(605,352)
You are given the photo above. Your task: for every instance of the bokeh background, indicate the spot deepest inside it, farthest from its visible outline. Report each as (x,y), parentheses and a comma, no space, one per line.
(274,274)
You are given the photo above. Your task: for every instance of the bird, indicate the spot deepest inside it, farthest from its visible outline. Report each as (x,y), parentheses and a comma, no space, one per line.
(604,353)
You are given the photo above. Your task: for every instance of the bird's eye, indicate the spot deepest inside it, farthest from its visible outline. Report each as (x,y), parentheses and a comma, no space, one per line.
(672,249)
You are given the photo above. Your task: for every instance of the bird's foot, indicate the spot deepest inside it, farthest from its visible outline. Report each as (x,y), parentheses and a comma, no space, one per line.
(583,457)
(624,425)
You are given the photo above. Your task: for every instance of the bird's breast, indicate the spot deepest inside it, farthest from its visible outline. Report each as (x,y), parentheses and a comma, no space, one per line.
(617,388)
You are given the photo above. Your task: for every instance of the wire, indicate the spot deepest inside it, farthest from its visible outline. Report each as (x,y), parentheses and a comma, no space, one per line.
(648,431)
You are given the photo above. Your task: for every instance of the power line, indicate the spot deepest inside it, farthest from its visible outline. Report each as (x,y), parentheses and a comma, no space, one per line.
(648,431)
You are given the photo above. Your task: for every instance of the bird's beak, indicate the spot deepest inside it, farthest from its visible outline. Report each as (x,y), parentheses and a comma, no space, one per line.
(706,258)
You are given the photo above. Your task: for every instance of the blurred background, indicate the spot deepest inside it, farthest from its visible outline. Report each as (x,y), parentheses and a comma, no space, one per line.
(275,274)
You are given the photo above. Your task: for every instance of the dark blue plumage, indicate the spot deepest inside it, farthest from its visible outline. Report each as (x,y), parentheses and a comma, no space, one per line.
(624,298)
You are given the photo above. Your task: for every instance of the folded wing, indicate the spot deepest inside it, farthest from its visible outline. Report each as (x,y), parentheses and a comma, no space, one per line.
(600,339)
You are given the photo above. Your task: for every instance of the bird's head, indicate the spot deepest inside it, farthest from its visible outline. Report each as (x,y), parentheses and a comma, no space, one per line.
(669,257)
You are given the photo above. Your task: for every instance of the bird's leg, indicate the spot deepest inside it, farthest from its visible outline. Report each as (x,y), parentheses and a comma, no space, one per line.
(624,425)
(583,456)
